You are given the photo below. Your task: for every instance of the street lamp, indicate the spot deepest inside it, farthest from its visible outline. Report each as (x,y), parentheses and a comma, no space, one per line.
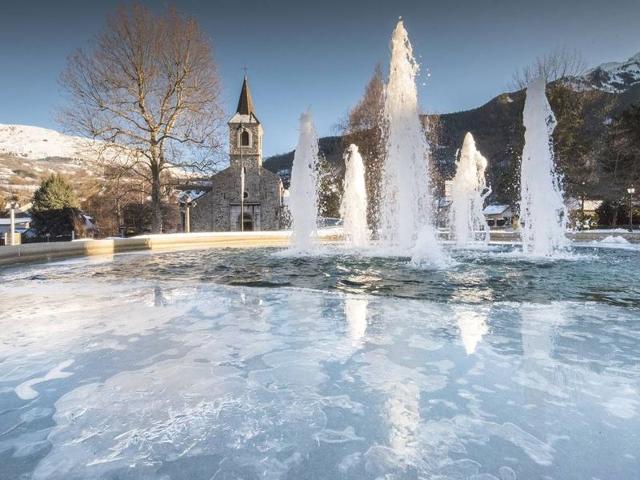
(242,174)
(186,205)
(12,205)
(631,190)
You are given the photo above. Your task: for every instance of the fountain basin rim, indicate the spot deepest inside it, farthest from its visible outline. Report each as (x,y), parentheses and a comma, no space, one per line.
(38,252)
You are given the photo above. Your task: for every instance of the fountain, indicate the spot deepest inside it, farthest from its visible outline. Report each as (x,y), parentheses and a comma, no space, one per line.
(243,363)
(303,197)
(353,208)
(542,209)
(468,191)
(405,206)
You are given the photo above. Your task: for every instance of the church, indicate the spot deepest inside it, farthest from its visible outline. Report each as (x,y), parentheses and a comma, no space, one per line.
(228,206)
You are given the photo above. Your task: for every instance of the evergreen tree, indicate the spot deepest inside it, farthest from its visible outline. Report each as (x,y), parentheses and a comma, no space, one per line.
(54,194)
(55,208)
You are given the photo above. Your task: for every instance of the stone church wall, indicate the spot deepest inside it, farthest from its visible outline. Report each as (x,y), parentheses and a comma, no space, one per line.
(212,212)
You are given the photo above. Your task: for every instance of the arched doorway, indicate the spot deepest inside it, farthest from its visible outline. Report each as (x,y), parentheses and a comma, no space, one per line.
(247,223)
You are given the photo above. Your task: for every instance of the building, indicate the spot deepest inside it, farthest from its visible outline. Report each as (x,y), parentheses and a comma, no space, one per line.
(498,216)
(219,209)
(21,225)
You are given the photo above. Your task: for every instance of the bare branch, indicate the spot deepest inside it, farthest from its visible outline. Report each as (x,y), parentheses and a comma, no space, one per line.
(147,88)
(560,64)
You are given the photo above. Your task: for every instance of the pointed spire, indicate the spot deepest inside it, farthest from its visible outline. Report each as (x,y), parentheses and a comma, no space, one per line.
(245,103)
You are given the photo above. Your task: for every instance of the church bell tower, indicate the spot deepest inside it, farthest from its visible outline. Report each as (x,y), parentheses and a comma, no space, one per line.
(245,132)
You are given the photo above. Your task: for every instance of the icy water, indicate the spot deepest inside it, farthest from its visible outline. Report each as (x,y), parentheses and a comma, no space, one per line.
(243,364)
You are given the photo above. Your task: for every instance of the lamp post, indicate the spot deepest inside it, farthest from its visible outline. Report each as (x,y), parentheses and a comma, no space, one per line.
(13,206)
(582,206)
(242,175)
(631,190)
(187,204)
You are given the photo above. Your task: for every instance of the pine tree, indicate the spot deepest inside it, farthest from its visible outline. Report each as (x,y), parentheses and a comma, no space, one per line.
(55,208)
(54,194)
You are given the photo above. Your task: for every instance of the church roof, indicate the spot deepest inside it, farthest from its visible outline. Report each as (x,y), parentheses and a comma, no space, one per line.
(245,113)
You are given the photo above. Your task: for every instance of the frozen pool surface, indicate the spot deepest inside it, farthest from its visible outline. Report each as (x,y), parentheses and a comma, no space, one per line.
(154,366)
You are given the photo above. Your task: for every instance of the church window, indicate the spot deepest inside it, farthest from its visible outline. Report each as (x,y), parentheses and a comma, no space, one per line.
(245,139)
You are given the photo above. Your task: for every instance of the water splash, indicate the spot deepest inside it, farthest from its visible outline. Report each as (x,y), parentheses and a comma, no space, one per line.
(303,198)
(405,202)
(468,191)
(542,209)
(353,208)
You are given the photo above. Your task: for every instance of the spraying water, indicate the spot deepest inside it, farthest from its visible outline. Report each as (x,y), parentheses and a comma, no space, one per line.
(303,197)
(353,208)
(405,203)
(542,209)
(468,191)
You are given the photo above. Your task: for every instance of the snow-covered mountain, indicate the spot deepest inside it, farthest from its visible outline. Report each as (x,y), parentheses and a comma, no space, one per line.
(614,77)
(29,154)
(35,143)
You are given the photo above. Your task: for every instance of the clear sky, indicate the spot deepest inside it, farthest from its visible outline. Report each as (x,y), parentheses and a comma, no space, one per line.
(321,54)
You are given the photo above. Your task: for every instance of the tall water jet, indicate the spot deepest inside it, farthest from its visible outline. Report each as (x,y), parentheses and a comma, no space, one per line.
(468,191)
(405,202)
(353,208)
(303,196)
(542,209)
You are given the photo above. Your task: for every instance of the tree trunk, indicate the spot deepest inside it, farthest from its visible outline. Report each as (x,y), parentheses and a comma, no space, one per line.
(156,203)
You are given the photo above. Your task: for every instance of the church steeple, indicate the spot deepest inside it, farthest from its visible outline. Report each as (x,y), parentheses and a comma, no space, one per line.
(245,131)
(245,102)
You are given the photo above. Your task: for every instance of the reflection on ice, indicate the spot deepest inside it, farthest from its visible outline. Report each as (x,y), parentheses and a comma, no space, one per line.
(471,321)
(403,416)
(355,311)
(280,383)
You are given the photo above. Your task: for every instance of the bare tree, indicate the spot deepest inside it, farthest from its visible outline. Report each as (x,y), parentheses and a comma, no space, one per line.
(148,88)
(557,65)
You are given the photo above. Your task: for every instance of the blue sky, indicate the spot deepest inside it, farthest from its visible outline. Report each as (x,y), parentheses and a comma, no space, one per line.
(321,54)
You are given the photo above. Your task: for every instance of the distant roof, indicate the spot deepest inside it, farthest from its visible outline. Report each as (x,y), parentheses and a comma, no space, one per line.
(495,209)
(190,195)
(19,220)
(590,205)
(245,112)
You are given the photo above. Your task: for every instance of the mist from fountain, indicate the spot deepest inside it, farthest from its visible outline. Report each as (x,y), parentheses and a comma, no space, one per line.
(468,191)
(353,208)
(303,196)
(542,211)
(406,220)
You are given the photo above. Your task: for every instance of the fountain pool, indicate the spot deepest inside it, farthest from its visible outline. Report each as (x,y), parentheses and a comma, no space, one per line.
(246,364)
